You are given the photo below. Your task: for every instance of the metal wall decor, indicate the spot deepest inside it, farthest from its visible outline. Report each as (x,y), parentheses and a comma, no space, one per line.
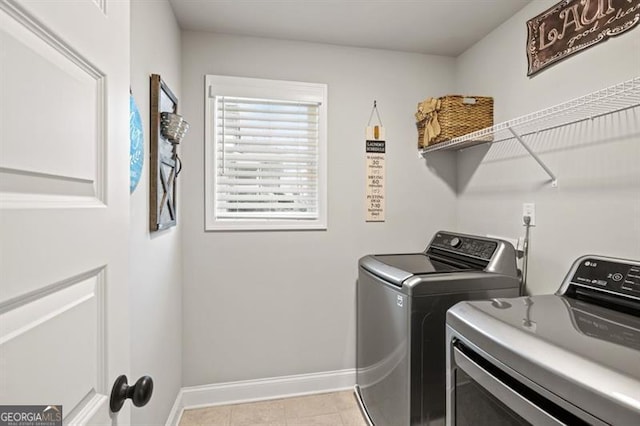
(164,164)
(573,25)
(173,127)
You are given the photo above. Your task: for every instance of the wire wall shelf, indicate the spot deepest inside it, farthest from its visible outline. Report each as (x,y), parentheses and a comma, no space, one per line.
(617,98)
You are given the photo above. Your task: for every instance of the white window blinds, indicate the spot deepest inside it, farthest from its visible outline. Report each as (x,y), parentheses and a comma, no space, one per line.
(266,159)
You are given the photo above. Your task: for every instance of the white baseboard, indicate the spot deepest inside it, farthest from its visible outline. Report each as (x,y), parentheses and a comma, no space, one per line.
(176,411)
(257,390)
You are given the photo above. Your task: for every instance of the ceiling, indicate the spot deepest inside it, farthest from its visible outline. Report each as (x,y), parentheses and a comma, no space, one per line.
(440,27)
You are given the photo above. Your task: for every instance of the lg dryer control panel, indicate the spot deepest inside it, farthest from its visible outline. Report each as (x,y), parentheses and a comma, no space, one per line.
(464,245)
(613,276)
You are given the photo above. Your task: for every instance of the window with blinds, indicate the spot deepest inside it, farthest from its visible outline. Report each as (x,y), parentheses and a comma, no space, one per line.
(267,166)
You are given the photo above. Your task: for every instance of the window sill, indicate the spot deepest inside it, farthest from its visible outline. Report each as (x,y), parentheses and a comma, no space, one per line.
(232,226)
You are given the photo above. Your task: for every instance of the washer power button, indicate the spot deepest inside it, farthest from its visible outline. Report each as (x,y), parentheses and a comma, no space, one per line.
(617,276)
(455,242)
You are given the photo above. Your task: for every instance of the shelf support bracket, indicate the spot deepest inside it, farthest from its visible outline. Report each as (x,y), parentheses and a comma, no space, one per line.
(554,179)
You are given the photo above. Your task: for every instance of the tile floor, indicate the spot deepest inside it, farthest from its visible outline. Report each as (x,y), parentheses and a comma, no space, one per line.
(334,409)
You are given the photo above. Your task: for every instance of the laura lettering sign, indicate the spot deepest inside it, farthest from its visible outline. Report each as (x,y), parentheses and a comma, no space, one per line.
(573,25)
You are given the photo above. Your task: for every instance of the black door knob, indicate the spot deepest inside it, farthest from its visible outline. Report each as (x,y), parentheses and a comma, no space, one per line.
(140,392)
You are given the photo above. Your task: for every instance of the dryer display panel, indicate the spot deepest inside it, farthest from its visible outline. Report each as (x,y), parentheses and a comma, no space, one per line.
(615,277)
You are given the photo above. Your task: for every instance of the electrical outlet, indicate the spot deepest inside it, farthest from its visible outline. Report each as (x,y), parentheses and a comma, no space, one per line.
(529,209)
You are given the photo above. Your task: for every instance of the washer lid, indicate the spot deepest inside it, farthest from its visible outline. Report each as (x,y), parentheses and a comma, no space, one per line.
(396,268)
(417,263)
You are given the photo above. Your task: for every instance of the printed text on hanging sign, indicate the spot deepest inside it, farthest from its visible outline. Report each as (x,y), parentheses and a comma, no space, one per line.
(375,203)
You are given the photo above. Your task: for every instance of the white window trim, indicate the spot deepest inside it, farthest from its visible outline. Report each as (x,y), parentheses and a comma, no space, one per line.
(216,85)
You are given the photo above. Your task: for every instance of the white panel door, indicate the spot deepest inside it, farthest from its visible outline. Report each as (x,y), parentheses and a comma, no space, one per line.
(64,150)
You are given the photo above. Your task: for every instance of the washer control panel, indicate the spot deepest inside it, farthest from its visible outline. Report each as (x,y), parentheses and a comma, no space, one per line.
(468,246)
(612,276)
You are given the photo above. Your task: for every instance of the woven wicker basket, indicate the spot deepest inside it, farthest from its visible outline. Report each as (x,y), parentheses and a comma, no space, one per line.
(459,115)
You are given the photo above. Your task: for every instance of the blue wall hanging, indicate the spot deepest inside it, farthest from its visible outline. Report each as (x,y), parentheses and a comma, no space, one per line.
(136,151)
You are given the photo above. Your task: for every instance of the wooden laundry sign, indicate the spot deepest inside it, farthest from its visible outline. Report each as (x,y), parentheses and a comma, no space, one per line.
(375,169)
(573,25)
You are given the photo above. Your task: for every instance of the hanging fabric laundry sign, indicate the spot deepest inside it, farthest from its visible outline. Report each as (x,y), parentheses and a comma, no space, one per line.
(375,169)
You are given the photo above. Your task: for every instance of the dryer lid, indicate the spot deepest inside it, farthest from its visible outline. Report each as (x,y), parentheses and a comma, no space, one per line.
(584,353)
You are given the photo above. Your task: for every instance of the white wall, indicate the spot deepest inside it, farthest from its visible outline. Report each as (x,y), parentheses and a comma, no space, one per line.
(156,259)
(266,304)
(596,208)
